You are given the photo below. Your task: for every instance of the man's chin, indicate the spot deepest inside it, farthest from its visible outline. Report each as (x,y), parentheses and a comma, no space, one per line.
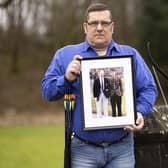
(100,44)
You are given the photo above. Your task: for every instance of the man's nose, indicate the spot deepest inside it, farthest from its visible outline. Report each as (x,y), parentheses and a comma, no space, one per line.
(99,26)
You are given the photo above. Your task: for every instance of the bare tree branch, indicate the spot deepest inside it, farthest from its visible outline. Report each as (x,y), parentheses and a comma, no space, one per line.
(5,3)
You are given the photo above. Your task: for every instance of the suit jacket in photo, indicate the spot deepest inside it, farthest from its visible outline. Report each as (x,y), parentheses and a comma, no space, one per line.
(97,88)
(116,87)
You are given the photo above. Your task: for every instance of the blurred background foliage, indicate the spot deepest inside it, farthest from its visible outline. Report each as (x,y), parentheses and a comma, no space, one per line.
(32,30)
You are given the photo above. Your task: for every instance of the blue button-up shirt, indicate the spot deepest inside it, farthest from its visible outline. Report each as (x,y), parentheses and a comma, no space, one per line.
(54,86)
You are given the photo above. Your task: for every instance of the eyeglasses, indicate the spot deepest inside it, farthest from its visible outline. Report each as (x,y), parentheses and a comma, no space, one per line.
(94,24)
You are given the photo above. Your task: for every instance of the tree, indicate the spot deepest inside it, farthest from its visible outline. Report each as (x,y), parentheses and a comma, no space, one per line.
(5,3)
(17,32)
(153,27)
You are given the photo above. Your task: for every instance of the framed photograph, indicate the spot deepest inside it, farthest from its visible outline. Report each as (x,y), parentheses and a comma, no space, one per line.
(107,92)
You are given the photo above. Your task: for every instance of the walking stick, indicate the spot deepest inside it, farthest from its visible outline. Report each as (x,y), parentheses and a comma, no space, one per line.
(69,105)
(155,67)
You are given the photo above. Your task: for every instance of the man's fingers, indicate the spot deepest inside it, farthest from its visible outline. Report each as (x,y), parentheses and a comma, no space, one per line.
(128,128)
(134,127)
(77,57)
(73,69)
(139,124)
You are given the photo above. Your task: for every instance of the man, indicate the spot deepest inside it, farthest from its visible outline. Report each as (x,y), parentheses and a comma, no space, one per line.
(108,148)
(116,92)
(101,93)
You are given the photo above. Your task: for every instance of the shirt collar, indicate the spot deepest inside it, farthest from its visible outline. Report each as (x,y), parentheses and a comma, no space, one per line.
(112,45)
(86,45)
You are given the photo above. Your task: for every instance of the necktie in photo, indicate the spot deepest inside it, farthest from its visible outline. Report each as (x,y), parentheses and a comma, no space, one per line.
(102,83)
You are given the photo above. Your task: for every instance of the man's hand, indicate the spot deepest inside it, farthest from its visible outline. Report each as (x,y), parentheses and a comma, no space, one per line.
(139,124)
(73,69)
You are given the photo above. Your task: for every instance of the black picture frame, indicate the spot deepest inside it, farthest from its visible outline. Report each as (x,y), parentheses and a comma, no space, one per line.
(121,87)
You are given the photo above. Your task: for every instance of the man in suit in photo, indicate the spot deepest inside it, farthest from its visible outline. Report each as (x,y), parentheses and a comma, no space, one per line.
(101,93)
(116,92)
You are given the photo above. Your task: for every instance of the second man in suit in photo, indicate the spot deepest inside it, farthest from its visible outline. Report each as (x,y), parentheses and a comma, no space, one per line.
(116,92)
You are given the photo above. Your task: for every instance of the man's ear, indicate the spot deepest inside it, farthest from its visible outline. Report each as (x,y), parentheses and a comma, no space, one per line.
(112,27)
(85,27)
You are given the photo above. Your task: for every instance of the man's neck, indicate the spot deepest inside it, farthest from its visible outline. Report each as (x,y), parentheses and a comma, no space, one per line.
(101,51)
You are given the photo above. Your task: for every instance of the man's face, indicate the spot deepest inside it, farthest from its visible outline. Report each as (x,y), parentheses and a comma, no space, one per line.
(99,29)
(101,73)
(113,75)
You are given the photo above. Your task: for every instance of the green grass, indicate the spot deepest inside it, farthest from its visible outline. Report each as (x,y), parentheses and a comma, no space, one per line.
(32,147)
